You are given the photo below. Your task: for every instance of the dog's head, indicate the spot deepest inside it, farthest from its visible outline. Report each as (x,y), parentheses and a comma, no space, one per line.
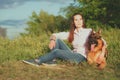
(93,38)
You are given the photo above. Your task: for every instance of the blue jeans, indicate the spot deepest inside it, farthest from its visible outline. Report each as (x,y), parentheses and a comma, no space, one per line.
(63,52)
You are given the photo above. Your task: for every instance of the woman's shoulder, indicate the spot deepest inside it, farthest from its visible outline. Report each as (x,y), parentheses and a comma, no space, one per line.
(87,29)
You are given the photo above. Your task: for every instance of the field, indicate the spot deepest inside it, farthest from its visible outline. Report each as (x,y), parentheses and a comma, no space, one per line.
(12,52)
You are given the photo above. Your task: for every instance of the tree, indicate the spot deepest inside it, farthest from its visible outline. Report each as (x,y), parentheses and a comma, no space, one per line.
(2,32)
(42,23)
(103,11)
(61,23)
(112,12)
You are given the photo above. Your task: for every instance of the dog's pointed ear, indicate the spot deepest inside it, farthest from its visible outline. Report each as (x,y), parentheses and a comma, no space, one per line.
(92,31)
(99,31)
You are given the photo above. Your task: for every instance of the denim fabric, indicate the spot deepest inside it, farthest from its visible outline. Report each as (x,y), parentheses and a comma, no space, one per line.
(61,51)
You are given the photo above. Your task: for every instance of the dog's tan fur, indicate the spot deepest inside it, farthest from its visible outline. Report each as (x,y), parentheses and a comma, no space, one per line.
(92,56)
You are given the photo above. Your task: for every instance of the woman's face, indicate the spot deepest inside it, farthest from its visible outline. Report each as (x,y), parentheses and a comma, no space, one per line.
(78,21)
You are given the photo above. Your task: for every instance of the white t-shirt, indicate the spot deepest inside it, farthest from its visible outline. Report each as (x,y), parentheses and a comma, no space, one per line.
(79,41)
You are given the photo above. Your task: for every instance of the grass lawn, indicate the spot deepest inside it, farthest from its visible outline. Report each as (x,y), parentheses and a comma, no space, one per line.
(12,68)
(63,71)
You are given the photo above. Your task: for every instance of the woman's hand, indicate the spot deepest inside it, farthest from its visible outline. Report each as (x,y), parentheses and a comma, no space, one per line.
(101,56)
(52,44)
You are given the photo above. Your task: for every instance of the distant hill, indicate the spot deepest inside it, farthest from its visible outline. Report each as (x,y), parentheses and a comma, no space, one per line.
(13,27)
(3,32)
(13,22)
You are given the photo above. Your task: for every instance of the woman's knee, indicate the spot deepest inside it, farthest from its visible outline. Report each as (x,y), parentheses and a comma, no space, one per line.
(58,40)
(55,51)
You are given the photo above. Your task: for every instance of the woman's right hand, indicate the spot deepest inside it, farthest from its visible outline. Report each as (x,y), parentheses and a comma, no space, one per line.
(52,44)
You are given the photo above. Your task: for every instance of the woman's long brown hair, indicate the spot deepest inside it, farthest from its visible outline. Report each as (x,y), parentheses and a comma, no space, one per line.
(71,32)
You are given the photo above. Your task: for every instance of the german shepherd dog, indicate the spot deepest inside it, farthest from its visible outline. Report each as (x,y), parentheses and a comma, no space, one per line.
(95,44)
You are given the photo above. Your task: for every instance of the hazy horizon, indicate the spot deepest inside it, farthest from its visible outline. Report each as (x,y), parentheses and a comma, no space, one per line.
(14,14)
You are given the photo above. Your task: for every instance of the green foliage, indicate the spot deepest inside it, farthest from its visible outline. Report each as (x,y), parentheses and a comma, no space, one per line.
(112,12)
(103,11)
(45,23)
(30,47)
(27,47)
(96,25)
(23,48)
(42,23)
(62,23)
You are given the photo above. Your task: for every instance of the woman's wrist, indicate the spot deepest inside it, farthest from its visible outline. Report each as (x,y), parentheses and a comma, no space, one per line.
(53,38)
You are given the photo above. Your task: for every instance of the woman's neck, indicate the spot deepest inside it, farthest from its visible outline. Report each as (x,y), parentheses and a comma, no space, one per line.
(78,29)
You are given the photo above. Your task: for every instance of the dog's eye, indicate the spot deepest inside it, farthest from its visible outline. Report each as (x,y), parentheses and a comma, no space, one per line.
(98,37)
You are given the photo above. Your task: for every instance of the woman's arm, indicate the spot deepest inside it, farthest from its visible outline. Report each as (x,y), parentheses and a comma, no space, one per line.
(104,47)
(54,36)
(103,53)
(61,35)
(52,41)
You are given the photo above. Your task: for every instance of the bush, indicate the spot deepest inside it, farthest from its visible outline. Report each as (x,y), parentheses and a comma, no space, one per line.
(23,48)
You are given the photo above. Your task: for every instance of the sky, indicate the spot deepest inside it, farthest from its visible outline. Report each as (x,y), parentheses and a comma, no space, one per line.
(15,13)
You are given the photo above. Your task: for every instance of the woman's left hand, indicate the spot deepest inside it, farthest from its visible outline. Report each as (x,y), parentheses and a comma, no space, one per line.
(52,44)
(101,56)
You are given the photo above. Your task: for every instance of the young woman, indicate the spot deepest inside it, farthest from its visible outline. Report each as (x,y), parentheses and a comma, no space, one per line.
(77,36)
